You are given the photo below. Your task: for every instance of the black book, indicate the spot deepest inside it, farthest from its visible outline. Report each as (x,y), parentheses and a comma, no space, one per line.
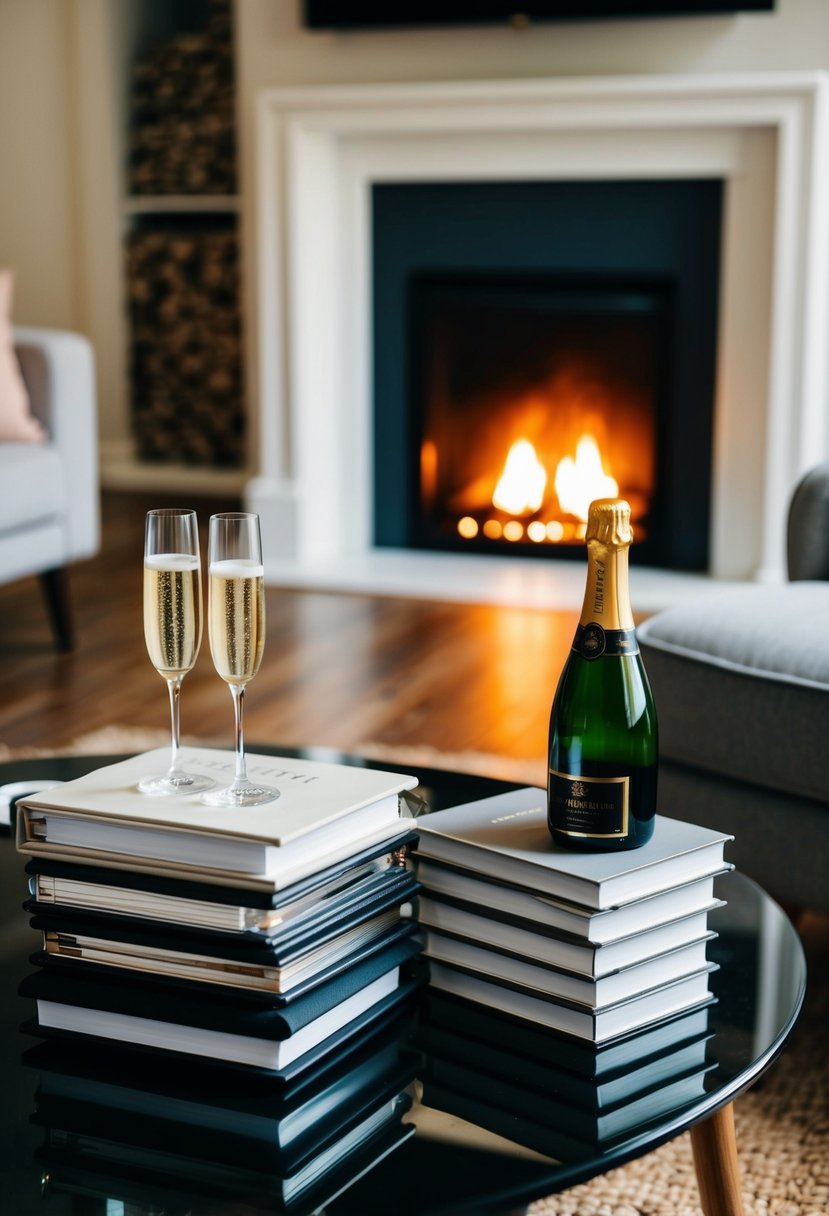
(287,964)
(567,1017)
(242,1119)
(232,908)
(489,1029)
(115,1162)
(505,1061)
(554,1112)
(153,1014)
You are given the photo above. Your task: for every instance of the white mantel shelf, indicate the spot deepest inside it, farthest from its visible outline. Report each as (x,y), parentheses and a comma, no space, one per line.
(319,150)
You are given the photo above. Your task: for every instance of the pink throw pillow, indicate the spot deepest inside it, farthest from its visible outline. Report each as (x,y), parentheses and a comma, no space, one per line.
(17,424)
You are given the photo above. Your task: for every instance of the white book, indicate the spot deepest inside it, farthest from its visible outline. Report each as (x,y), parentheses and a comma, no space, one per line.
(552,951)
(506,837)
(596,928)
(217,1044)
(324,812)
(546,981)
(596,1025)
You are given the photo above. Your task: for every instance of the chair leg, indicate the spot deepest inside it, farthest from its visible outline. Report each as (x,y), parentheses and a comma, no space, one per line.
(55,587)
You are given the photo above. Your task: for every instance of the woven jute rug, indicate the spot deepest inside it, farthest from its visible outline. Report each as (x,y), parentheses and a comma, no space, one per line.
(782,1122)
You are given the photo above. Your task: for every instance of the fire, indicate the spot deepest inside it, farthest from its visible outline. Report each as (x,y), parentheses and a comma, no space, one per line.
(520,488)
(581,480)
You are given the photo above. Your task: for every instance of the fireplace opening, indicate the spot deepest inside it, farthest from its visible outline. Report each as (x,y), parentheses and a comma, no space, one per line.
(527,332)
(532,394)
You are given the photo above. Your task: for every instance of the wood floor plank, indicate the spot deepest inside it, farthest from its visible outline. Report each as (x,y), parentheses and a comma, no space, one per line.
(338,669)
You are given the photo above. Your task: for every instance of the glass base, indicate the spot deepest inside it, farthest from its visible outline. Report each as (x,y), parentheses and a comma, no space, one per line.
(181,783)
(241,793)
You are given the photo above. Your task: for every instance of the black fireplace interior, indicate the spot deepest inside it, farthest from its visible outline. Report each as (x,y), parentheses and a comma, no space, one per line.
(537,345)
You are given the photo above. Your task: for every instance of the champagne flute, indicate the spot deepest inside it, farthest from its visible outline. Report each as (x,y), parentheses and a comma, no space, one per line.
(172,625)
(236,627)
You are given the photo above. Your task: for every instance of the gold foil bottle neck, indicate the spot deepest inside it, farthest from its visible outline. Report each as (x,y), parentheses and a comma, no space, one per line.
(608,521)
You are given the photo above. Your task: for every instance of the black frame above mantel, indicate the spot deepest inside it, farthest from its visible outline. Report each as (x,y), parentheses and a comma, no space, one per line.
(377,14)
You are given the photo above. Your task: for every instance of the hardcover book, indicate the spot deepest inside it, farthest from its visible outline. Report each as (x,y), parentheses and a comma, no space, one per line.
(506,837)
(548,949)
(235,909)
(507,1060)
(325,812)
(556,1131)
(254,1031)
(550,1113)
(593,1025)
(287,973)
(99,1151)
(489,1030)
(222,1105)
(550,982)
(571,921)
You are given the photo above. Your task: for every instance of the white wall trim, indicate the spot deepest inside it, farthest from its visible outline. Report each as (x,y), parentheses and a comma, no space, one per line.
(319,149)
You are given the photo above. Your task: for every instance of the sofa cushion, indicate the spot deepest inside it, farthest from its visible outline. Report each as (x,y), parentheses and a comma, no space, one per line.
(17,425)
(33,484)
(740,679)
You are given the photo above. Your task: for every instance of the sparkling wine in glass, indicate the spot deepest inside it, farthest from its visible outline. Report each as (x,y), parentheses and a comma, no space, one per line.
(172,626)
(236,627)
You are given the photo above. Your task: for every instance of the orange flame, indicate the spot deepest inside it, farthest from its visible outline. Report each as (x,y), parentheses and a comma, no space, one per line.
(581,480)
(520,488)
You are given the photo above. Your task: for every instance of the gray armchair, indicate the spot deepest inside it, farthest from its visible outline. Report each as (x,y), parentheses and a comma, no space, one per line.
(741,683)
(49,506)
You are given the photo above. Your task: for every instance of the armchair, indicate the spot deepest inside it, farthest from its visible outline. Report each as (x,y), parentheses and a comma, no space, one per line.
(49,506)
(740,678)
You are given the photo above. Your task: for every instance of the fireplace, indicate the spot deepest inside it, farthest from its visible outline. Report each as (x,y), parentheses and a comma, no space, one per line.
(323,155)
(537,345)
(531,395)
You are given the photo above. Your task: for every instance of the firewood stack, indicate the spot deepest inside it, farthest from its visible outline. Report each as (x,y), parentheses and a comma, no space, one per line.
(183,137)
(183,270)
(186,346)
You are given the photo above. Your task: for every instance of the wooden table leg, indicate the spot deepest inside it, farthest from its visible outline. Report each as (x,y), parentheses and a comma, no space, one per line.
(714,1146)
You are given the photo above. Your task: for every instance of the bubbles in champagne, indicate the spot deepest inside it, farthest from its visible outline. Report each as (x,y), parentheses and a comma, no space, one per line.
(237,618)
(172,612)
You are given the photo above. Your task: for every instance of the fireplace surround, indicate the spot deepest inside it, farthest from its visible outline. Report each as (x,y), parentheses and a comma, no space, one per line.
(320,151)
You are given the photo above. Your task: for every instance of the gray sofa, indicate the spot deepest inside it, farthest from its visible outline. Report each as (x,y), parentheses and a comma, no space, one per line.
(740,678)
(49,506)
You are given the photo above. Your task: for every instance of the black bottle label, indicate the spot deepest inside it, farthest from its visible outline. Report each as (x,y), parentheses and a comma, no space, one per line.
(592,641)
(597,807)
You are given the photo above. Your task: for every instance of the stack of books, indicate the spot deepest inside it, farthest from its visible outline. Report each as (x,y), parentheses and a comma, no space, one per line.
(180,1132)
(593,945)
(264,936)
(552,1094)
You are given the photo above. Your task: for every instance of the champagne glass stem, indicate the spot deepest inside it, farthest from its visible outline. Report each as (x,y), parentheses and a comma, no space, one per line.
(238,693)
(175,730)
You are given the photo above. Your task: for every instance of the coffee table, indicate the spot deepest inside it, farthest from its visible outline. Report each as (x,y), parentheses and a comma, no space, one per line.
(448,1166)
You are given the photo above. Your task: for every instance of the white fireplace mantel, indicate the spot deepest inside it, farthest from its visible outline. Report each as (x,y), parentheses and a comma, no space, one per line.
(319,150)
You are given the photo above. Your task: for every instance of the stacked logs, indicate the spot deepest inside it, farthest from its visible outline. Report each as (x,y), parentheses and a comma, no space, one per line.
(182,139)
(186,356)
(183,273)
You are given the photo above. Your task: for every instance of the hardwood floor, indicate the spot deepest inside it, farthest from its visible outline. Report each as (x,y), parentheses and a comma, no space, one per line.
(338,670)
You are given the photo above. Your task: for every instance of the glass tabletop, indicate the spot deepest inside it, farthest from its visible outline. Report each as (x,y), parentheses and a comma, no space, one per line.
(440,1108)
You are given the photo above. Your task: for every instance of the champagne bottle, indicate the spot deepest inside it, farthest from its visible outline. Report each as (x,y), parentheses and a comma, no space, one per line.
(601,790)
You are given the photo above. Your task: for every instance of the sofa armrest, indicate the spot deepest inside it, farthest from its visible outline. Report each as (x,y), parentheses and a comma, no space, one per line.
(807,535)
(67,404)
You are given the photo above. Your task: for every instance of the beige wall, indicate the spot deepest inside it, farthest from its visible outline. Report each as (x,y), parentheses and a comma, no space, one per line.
(63,76)
(37,185)
(273,49)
